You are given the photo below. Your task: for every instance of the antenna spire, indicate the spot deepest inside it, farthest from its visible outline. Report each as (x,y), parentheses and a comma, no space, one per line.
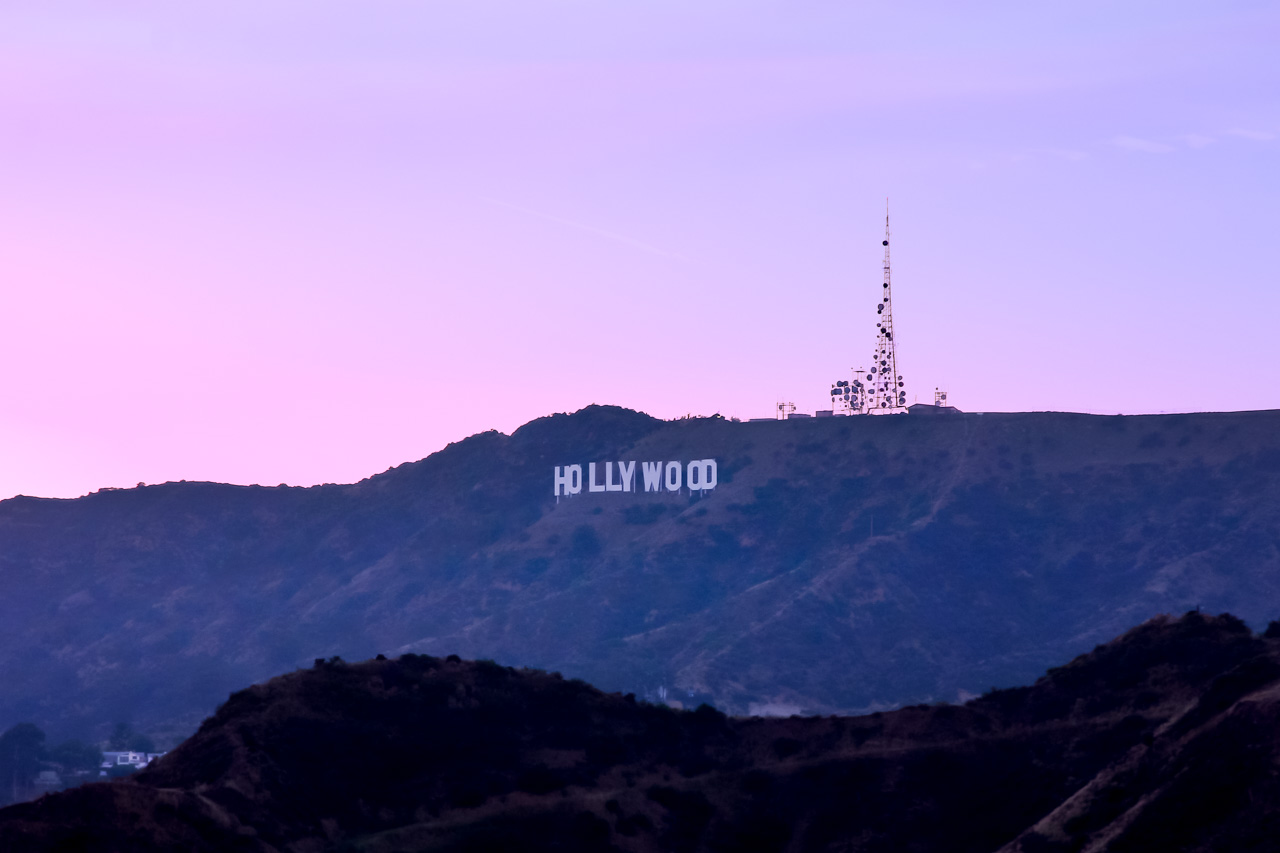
(879,389)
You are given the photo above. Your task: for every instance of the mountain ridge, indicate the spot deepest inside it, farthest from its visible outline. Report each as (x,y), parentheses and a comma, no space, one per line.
(929,557)
(1163,738)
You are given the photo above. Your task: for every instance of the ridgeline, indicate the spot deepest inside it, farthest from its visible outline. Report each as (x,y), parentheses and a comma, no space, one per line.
(841,565)
(1162,740)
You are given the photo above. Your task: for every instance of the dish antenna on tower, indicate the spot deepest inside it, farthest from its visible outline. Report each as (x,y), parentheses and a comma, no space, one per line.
(880,388)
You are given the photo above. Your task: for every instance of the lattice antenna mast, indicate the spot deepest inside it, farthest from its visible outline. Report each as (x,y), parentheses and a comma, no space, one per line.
(886,392)
(879,390)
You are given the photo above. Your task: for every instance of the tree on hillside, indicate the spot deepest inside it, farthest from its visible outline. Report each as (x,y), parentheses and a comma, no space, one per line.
(76,755)
(120,735)
(123,737)
(20,751)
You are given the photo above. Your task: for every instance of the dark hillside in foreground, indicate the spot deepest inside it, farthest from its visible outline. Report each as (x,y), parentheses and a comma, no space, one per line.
(841,564)
(1165,739)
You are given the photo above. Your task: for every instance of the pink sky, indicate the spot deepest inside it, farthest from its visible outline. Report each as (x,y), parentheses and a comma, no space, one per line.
(304,241)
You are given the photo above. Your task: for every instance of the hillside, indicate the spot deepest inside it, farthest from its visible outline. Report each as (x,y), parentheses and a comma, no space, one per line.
(839,565)
(1164,739)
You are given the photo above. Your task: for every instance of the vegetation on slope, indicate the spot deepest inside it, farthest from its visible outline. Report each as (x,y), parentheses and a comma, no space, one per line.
(842,564)
(1163,739)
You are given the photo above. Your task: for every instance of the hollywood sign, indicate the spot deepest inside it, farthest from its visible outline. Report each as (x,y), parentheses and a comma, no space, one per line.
(696,476)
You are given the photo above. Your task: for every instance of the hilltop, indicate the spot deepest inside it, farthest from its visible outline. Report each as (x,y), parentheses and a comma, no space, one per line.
(840,564)
(1164,739)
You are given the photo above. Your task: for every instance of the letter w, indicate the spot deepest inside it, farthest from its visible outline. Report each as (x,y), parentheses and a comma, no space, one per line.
(652,475)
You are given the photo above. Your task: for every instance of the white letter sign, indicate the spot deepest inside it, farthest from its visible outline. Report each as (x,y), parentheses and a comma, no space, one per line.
(569,482)
(652,476)
(674,472)
(700,475)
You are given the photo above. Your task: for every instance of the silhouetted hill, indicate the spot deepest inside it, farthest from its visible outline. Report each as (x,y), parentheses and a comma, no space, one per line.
(1165,739)
(841,564)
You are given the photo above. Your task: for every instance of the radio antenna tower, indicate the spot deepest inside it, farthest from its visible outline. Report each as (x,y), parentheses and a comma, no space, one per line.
(880,389)
(886,391)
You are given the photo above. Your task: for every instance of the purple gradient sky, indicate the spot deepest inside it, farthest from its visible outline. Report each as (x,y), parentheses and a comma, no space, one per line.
(304,241)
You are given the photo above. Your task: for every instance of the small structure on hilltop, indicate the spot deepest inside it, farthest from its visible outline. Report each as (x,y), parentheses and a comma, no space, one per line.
(939,406)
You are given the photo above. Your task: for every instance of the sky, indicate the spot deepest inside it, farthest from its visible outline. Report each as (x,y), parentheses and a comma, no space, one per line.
(302,241)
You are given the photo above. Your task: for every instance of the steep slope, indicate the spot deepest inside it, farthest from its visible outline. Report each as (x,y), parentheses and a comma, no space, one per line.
(840,564)
(1163,739)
